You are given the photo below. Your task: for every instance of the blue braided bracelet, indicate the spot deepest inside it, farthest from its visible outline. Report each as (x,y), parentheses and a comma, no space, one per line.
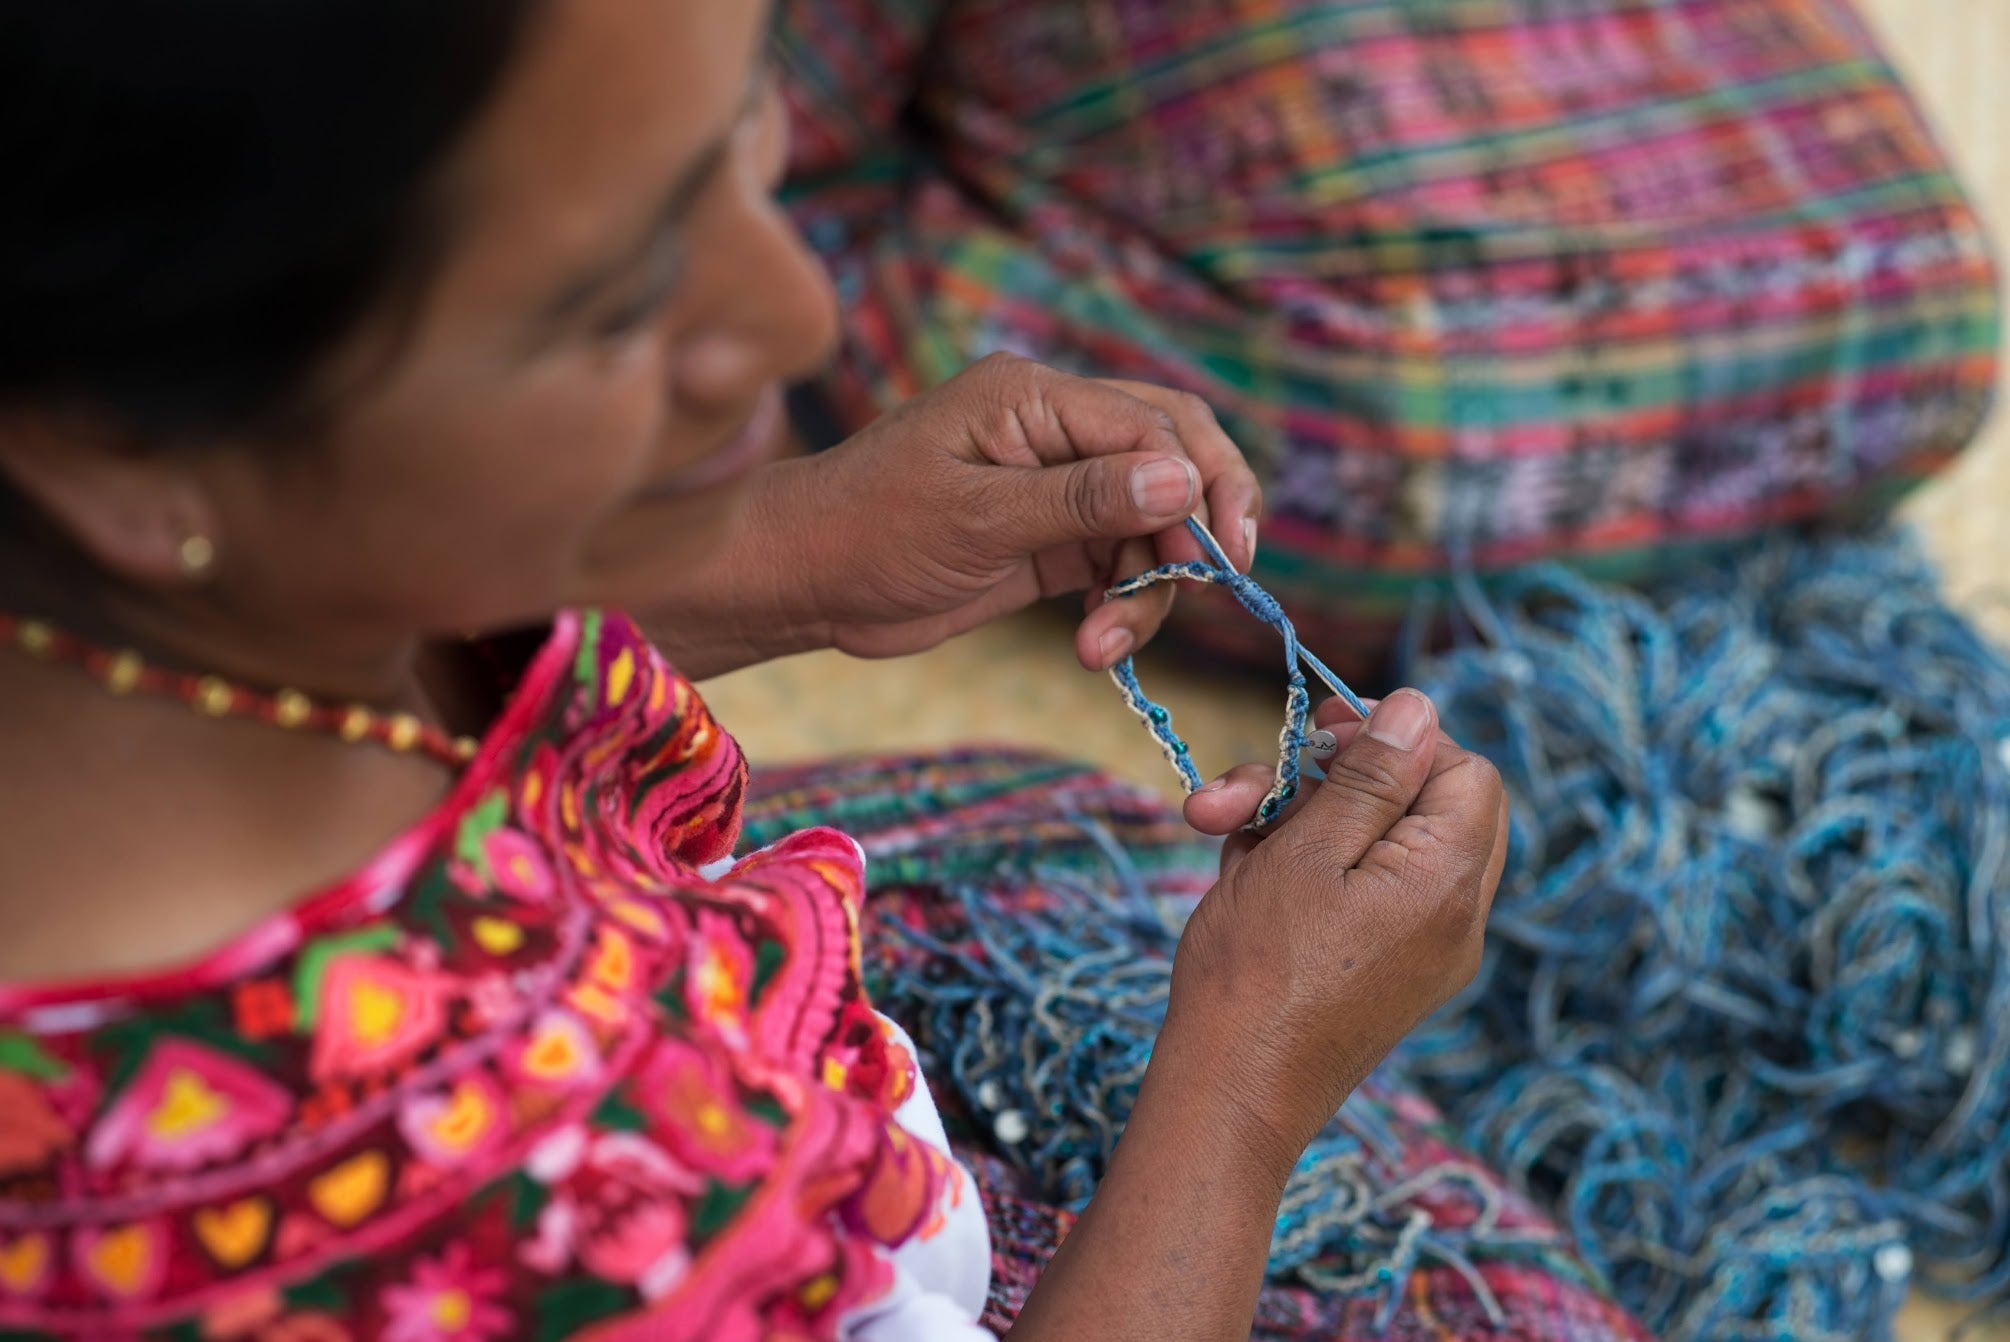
(1297,703)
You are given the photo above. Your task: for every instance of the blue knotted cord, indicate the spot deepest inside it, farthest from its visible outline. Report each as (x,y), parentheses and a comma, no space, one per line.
(1744,1017)
(1217,571)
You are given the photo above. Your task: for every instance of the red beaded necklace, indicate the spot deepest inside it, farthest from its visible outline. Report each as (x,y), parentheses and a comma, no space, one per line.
(125,672)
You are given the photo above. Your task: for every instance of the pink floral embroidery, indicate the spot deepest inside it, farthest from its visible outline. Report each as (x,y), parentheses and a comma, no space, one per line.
(620,1211)
(560,1053)
(188,1105)
(703,1120)
(375,1015)
(448,1299)
(719,975)
(519,867)
(462,1124)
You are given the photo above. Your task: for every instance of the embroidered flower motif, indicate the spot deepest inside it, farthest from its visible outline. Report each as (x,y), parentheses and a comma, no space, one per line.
(518,866)
(704,1123)
(186,1106)
(31,1131)
(559,1054)
(719,975)
(464,1123)
(374,1015)
(449,1299)
(621,1211)
(606,991)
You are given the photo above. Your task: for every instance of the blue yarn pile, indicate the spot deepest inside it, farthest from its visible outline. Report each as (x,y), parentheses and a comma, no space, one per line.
(1745,1015)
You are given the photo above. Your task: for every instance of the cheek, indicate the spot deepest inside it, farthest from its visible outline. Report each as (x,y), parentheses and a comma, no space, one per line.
(455,509)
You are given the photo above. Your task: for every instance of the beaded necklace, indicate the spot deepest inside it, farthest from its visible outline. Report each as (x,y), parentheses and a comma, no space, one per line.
(124,672)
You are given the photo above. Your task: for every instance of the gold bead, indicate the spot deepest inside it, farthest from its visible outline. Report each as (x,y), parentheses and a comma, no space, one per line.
(291,709)
(466,748)
(122,674)
(356,723)
(198,557)
(36,638)
(405,731)
(213,697)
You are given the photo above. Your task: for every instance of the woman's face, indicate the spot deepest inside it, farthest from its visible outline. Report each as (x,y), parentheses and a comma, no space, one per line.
(572,416)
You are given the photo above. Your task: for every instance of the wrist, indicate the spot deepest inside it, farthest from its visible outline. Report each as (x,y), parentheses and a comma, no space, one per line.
(1230,1096)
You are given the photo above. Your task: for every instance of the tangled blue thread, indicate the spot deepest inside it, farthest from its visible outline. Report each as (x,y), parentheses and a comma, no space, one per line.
(1297,702)
(1744,1016)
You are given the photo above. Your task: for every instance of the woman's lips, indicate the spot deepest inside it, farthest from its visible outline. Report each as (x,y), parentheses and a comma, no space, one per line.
(754,444)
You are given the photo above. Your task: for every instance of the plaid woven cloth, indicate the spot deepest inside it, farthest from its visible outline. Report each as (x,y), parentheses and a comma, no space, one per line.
(1474,281)
(961,840)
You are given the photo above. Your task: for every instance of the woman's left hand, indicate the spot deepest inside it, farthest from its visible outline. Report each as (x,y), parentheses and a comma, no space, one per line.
(1008,483)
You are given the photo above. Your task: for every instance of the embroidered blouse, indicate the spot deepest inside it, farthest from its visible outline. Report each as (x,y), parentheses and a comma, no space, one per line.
(550,1065)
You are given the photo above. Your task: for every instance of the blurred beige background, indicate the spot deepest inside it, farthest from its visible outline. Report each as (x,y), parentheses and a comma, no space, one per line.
(1018,681)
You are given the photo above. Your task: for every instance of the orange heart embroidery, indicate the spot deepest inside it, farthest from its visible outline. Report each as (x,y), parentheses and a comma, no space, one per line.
(352,1190)
(24,1265)
(127,1262)
(234,1235)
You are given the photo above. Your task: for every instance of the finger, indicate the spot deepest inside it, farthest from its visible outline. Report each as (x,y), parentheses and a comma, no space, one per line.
(1453,832)
(1101,499)
(1233,504)
(1040,416)
(1503,835)
(1371,784)
(1114,629)
(1227,803)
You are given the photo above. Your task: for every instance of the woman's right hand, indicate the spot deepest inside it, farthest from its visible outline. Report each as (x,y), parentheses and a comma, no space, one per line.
(1356,916)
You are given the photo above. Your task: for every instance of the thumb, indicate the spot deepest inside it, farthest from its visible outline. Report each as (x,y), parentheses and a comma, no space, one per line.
(1100,499)
(1372,784)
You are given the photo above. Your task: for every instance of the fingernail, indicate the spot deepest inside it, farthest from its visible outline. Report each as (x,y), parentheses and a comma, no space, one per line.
(1115,646)
(1163,488)
(1215,785)
(1249,540)
(1401,720)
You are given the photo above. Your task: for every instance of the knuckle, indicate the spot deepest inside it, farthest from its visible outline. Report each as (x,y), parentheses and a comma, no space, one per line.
(1187,406)
(1369,768)
(1094,499)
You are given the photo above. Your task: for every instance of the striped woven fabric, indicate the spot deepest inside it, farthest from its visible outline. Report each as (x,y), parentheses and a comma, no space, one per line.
(1473,281)
(958,840)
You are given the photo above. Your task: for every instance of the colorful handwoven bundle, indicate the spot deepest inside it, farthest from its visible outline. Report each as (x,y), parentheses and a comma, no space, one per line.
(1474,281)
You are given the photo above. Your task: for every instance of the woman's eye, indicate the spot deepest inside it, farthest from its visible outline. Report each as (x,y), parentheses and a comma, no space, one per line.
(644,309)
(636,315)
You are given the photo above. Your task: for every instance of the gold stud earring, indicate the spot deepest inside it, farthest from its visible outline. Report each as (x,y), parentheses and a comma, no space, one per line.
(198,557)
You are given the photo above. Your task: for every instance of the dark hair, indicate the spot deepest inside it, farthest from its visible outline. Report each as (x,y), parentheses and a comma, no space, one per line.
(203,196)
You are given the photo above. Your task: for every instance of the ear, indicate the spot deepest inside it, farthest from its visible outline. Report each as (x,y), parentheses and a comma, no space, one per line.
(128,505)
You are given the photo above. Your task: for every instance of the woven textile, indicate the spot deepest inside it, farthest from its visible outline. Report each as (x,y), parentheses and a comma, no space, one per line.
(963,845)
(1470,279)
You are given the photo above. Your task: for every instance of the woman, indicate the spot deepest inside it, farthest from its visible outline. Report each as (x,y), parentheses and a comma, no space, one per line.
(376,970)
